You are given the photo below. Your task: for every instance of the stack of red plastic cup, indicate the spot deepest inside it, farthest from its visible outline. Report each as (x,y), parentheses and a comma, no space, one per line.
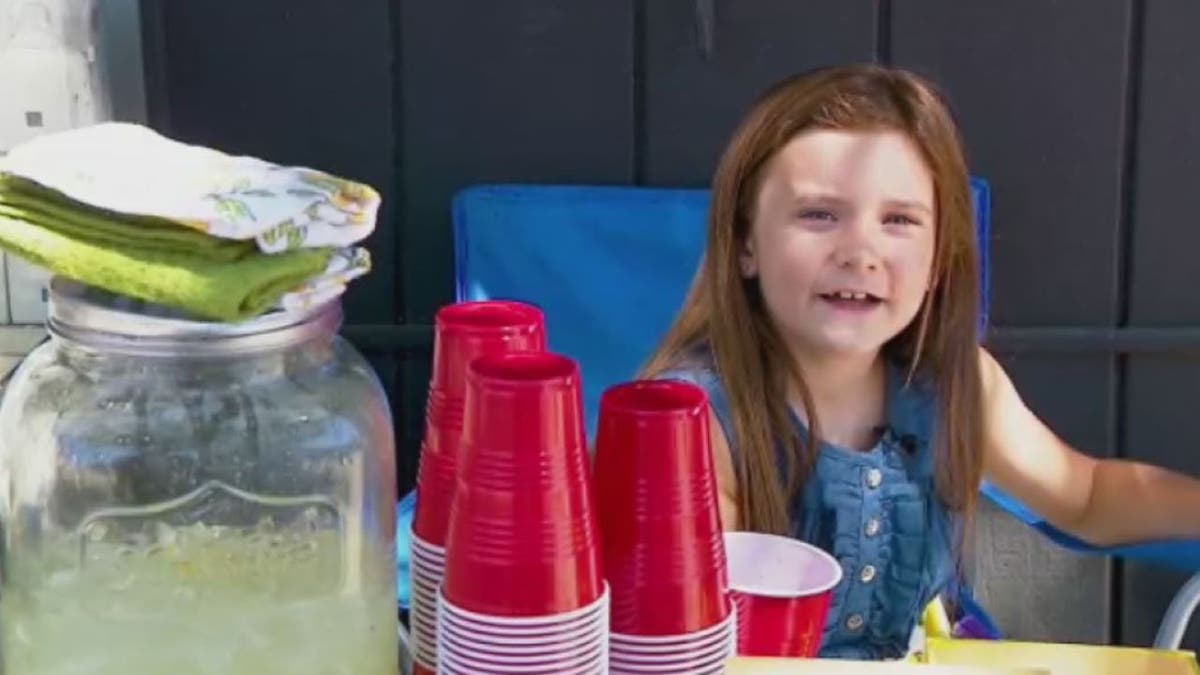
(664,554)
(524,590)
(462,333)
(782,589)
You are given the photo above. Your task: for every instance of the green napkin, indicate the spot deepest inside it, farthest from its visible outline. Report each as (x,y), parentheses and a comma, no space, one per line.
(148,258)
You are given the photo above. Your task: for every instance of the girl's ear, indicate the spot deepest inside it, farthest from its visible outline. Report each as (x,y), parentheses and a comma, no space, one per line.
(748,260)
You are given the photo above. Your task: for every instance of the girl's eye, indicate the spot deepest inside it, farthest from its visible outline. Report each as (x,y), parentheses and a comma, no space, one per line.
(900,219)
(817,214)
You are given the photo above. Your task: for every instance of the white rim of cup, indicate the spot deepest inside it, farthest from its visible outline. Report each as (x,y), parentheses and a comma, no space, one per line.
(423,602)
(423,625)
(426,554)
(581,634)
(598,616)
(425,651)
(471,665)
(593,667)
(725,637)
(427,596)
(420,543)
(680,638)
(424,590)
(821,555)
(529,655)
(702,664)
(488,632)
(427,611)
(525,622)
(566,647)
(423,637)
(576,635)
(419,548)
(427,581)
(718,669)
(426,571)
(720,648)
(589,669)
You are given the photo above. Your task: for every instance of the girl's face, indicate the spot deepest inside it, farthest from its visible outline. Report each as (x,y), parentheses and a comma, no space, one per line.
(842,240)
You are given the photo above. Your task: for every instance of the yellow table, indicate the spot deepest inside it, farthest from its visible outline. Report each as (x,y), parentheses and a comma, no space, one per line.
(757,666)
(1061,659)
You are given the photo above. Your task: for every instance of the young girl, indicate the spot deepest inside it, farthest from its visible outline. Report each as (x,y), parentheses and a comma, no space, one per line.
(833,323)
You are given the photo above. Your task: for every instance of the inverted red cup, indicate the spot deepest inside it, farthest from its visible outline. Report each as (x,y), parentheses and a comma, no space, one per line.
(782,588)
(523,539)
(462,333)
(657,502)
(437,477)
(467,330)
(524,410)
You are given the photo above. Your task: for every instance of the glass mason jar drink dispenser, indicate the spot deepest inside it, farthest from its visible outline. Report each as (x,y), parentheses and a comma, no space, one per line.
(184,497)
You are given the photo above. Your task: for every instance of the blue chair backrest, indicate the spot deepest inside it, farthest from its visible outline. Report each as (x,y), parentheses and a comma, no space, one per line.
(609,266)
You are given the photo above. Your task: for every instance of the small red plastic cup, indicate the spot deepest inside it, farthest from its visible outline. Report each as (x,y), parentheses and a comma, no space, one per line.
(657,499)
(467,330)
(781,588)
(462,332)
(523,539)
(437,477)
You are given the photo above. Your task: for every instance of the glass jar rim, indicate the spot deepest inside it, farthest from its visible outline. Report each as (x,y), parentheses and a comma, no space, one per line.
(98,320)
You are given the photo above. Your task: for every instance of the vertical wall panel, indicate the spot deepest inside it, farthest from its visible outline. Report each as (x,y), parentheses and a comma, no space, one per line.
(1038,88)
(1161,412)
(696,89)
(1164,276)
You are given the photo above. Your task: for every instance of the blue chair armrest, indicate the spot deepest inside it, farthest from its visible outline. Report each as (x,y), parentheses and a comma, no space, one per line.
(1179,555)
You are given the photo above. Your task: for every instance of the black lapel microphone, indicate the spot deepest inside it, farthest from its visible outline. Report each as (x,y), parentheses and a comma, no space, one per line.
(908,442)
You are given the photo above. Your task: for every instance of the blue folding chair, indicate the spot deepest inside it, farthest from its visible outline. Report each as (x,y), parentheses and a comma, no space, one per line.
(594,258)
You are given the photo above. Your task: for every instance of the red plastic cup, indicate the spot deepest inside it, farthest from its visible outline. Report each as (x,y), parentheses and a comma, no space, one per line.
(462,333)
(437,477)
(781,588)
(657,500)
(467,330)
(523,539)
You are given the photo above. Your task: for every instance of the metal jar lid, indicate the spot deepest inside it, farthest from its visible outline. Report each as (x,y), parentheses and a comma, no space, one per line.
(102,321)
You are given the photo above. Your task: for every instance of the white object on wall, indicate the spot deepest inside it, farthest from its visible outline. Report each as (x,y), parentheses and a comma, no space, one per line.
(28,291)
(4,316)
(47,85)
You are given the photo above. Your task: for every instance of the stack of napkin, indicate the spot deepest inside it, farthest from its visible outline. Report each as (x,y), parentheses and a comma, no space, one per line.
(225,238)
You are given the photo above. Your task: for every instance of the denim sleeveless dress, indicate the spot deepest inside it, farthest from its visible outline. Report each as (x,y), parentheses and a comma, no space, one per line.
(877,513)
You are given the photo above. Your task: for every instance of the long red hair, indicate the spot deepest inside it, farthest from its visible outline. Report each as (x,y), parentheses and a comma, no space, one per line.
(724,312)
